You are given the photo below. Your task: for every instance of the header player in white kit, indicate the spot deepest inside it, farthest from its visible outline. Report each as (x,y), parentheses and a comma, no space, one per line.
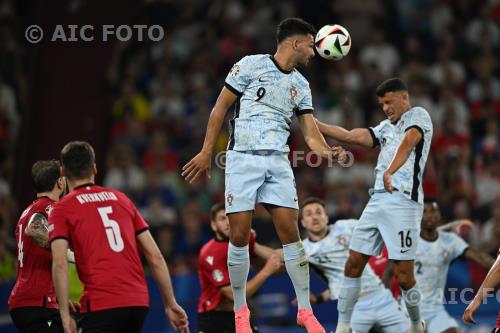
(393,214)
(268,91)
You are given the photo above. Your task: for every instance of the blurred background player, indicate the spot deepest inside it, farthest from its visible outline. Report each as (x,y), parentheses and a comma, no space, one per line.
(486,290)
(106,232)
(436,251)
(215,307)
(327,247)
(268,91)
(393,214)
(32,302)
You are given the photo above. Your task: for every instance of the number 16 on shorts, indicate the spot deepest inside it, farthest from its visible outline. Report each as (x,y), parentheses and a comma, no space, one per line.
(406,240)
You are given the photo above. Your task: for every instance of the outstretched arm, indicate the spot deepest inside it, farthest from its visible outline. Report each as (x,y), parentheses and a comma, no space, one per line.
(202,162)
(410,140)
(315,140)
(482,259)
(357,136)
(175,314)
(490,282)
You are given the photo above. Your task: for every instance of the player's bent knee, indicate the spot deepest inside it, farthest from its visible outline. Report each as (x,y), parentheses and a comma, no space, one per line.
(405,280)
(353,268)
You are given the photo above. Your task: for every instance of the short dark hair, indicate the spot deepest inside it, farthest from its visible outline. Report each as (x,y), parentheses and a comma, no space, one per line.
(45,174)
(312,200)
(390,85)
(215,209)
(77,159)
(293,26)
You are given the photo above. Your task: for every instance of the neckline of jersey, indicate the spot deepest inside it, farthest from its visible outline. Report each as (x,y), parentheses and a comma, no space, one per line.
(278,66)
(327,233)
(84,185)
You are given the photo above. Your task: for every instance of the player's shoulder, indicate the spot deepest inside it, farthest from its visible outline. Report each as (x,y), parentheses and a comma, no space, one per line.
(446,237)
(255,60)
(345,225)
(214,247)
(418,111)
(300,78)
(384,123)
(41,205)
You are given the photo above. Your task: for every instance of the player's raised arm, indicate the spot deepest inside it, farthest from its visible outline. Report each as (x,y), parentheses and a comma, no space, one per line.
(482,259)
(357,136)
(315,140)
(203,161)
(176,315)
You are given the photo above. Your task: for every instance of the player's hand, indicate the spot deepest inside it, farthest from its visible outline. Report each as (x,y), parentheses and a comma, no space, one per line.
(199,164)
(469,311)
(273,264)
(460,225)
(74,307)
(339,154)
(253,233)
(69,325)
(177,318)
(388,182)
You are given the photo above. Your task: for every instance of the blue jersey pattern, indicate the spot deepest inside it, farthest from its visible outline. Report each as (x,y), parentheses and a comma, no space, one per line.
(268,99)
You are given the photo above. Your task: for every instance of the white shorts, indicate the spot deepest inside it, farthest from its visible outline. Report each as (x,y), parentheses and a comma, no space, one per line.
(379,309)
(259,177)
(436,318)
(391,219)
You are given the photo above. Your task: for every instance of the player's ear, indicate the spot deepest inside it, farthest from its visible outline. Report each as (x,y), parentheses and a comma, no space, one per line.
(94,169)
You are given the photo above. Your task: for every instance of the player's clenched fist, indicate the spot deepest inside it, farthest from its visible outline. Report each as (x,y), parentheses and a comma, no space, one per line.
(177,318)
(199,164)
(339,154)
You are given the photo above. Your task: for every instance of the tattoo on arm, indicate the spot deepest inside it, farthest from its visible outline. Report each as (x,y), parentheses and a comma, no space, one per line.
(38,230)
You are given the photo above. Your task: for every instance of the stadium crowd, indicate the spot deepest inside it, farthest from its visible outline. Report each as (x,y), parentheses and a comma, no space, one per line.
(447,52)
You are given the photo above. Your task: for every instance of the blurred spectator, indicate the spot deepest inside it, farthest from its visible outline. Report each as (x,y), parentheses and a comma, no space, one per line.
(158,155)
(381,53)
(123,174)
(7,259)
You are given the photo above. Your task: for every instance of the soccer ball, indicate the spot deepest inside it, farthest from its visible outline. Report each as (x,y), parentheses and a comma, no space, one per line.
(333,42)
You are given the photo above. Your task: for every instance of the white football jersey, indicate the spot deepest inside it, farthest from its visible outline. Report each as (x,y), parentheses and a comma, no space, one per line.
(328,257)
(432,262)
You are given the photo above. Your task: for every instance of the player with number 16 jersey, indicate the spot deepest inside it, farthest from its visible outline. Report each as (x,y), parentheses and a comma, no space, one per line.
(101,226)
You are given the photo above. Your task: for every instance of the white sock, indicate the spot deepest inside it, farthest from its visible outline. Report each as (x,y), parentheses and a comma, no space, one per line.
(412,301)
(238,264)
(297,267)
(348,296)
